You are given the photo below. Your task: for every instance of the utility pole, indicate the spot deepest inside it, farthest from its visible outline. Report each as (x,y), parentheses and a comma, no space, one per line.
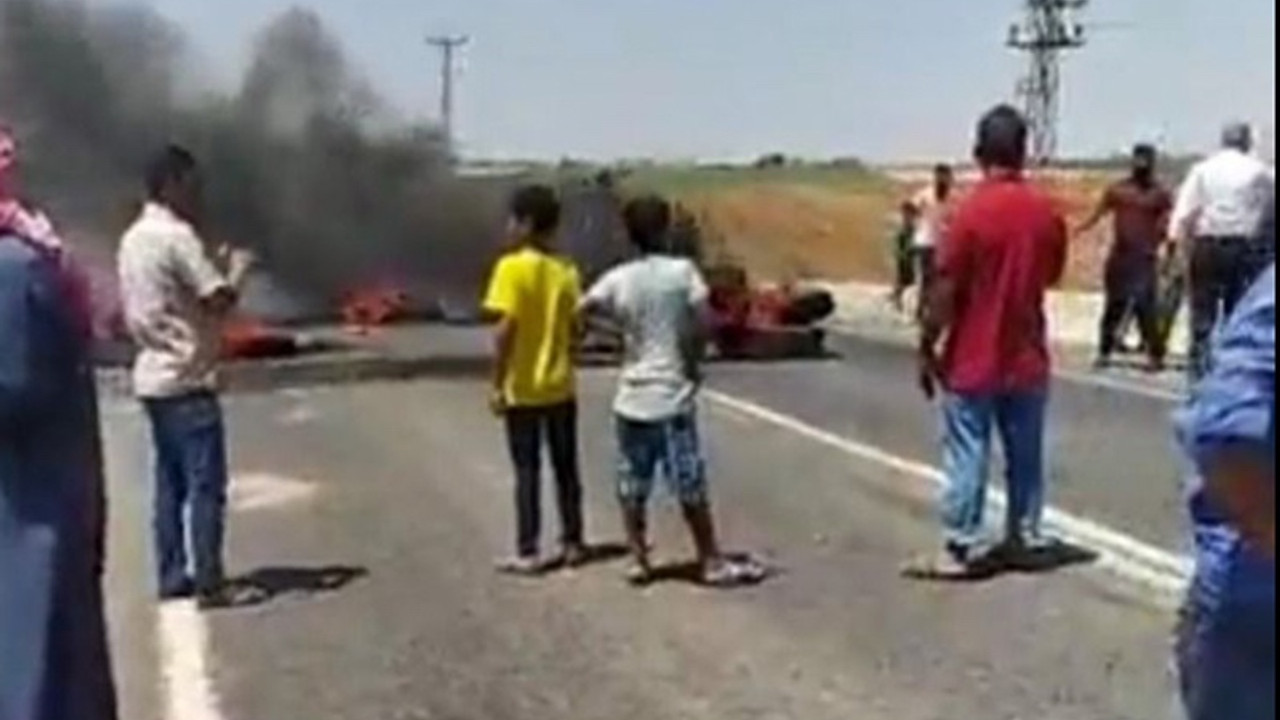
(448,45)
(1048,31)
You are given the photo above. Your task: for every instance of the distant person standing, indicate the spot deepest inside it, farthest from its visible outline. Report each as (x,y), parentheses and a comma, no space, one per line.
(54,660)
(1227,639)
(904,259)
(1140,207)
(1217,215)
(661,304)
(1007,245)
(175,299)
(533,296)
(933,205)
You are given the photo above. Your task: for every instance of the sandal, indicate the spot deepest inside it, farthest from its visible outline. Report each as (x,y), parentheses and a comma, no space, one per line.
(728,574)
(639,575)
(521,567)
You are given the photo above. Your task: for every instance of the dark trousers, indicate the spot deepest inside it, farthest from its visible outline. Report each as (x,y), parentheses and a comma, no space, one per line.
(190,480)
(1132,287)
(528,429)
(926,273)
(1222,269)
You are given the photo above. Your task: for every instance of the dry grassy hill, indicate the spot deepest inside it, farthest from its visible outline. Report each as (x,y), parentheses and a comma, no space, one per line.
(793,223)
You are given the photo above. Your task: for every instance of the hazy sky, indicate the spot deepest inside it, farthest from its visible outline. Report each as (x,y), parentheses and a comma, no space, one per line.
(884,79)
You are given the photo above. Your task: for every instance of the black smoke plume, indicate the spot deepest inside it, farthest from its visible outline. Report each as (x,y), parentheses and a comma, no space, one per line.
(302,160)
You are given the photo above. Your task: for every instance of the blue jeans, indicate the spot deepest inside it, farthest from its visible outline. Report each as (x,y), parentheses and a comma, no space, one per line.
(190,481)
(1227,664)
(969,422)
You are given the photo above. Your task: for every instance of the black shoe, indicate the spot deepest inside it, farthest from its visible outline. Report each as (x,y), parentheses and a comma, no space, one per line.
(182,591)
(1103,363)
(214,597)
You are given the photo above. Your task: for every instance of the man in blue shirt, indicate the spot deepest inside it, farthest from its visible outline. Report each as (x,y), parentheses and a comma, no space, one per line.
(54,662)
(1227,641)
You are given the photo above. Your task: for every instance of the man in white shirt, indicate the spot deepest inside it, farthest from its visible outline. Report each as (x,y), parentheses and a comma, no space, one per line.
(1217,216)
(175,300)
(933,212)
(660,302)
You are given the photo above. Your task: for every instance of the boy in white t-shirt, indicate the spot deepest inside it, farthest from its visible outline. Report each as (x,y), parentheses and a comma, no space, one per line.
(933,210)
(660,302)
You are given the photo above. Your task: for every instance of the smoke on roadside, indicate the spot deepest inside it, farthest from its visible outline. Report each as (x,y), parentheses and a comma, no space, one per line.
(303,161)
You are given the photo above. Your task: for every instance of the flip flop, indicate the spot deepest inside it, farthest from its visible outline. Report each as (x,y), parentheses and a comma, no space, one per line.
(639,575)
(520,567)
(731,574)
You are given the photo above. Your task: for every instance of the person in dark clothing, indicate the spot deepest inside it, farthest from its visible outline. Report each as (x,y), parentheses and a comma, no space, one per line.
(1264,245)
(1220,208)
(1139,206)
(903,257)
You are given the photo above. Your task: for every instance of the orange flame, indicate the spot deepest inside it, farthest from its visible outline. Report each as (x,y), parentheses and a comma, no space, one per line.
(245,338)
(373,307)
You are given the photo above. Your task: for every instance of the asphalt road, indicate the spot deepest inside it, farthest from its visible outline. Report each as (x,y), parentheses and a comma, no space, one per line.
(374,512)
(1112,456)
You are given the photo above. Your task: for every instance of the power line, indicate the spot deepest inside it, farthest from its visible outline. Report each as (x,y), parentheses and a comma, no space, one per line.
(1048,30)
(448,45)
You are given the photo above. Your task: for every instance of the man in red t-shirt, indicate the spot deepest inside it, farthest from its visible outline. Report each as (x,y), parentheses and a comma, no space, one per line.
(1140,208)
(1007,245)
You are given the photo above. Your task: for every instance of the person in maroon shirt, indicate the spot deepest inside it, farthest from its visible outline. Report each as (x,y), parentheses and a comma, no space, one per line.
(1007,245)
(1140,208)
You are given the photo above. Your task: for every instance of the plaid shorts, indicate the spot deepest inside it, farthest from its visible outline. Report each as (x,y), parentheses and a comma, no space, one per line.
(670,447)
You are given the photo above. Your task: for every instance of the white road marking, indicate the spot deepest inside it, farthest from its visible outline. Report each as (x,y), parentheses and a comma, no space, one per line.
(119,411)
(184,655)
(299,415)
(262,491)
(183,632)
(1114,383)
(1121,555)
(1079,378)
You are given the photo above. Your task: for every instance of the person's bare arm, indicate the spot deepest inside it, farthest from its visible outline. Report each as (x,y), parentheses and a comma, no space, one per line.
(1059,246)
(942,300)
(504,342)
(1187,208)
(698,328)
(1242,482)
(218,289)
(1102,210)
(501,307)
(935,321)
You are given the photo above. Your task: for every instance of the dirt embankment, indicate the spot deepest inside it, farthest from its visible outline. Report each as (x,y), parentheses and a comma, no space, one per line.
(793,231)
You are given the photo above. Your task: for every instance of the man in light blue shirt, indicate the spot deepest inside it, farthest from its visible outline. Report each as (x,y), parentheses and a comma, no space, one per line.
(1227,642)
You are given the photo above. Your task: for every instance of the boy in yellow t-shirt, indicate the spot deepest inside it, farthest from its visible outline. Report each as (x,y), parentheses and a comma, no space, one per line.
(533,294)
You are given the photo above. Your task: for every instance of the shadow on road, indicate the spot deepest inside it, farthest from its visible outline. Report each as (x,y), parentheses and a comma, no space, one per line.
(1056,556)
(596,554)
(1139,364)
(1052,558)
(269,584)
